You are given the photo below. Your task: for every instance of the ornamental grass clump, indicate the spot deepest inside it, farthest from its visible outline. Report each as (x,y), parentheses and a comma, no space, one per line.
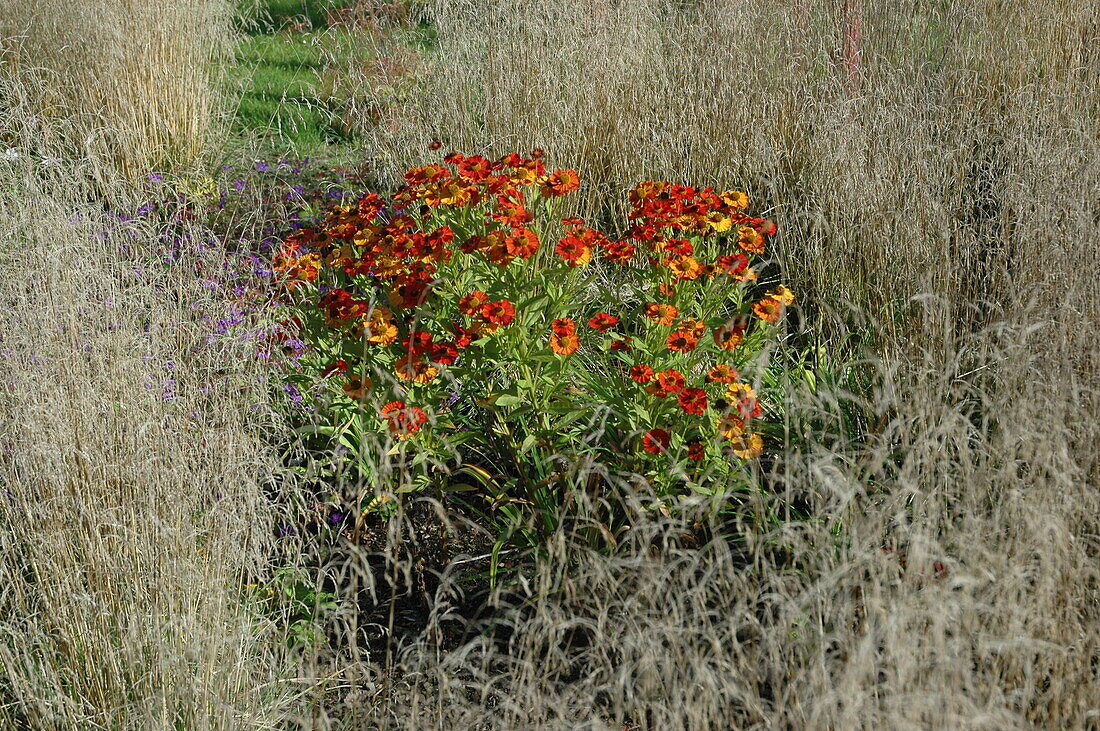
(466,301)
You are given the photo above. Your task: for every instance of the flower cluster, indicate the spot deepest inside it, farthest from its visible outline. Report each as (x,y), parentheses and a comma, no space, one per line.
(448,285)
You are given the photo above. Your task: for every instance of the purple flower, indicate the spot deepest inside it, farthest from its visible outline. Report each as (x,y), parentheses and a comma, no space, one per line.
(239,185)
(262,166)
(156,177)
(295,396)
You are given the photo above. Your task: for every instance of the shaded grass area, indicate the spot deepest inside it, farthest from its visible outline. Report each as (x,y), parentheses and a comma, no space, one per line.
(274,15)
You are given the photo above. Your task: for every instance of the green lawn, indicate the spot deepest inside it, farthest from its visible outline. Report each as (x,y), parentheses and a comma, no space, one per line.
(278,78)
(288,75)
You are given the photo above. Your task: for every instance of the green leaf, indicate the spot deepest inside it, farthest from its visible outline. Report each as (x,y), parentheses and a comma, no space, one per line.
(527,444)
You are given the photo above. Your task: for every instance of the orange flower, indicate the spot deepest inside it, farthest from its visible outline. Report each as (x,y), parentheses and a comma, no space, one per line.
(686,268)
(750,240)
(768,309)
(682,341)
(722,373)
(667,290)
(402,420)
(662,314)
(729,336)
(494,246)
(693,401)
(735,199)
(641,374)
(379,328)
(416,369)
(564,344)
(560,182)
(744,400)
(747,446)
(357,387)
(730,426)
(784,295)
(298,269)
(450,193)
(655,441)
(603,322)
(426,174)
(695,328)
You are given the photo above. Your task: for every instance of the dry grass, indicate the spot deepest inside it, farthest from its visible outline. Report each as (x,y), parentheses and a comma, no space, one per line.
(943,204)
(951,195)
(132,507)
(128,85)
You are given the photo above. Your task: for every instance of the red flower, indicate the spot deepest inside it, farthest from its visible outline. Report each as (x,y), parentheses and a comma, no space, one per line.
(499,313)
(522,243)
(733,264)
(574,251)
(564,327)
(403,420)
(696,451)
(418,342)
(620,252)
(603,322)
(668,382)
(622,346)
(682,341)
(693,401)
(337,367)
(444,353)
(474,168)
(641,373)
(655,441)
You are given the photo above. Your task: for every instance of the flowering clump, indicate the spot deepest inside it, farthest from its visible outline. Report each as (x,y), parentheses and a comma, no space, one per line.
(464,282)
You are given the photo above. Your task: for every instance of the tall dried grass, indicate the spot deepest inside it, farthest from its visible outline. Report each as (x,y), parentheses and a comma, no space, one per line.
(132,504)
(941,204)
(951,163)
(946,205)
(131,85)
